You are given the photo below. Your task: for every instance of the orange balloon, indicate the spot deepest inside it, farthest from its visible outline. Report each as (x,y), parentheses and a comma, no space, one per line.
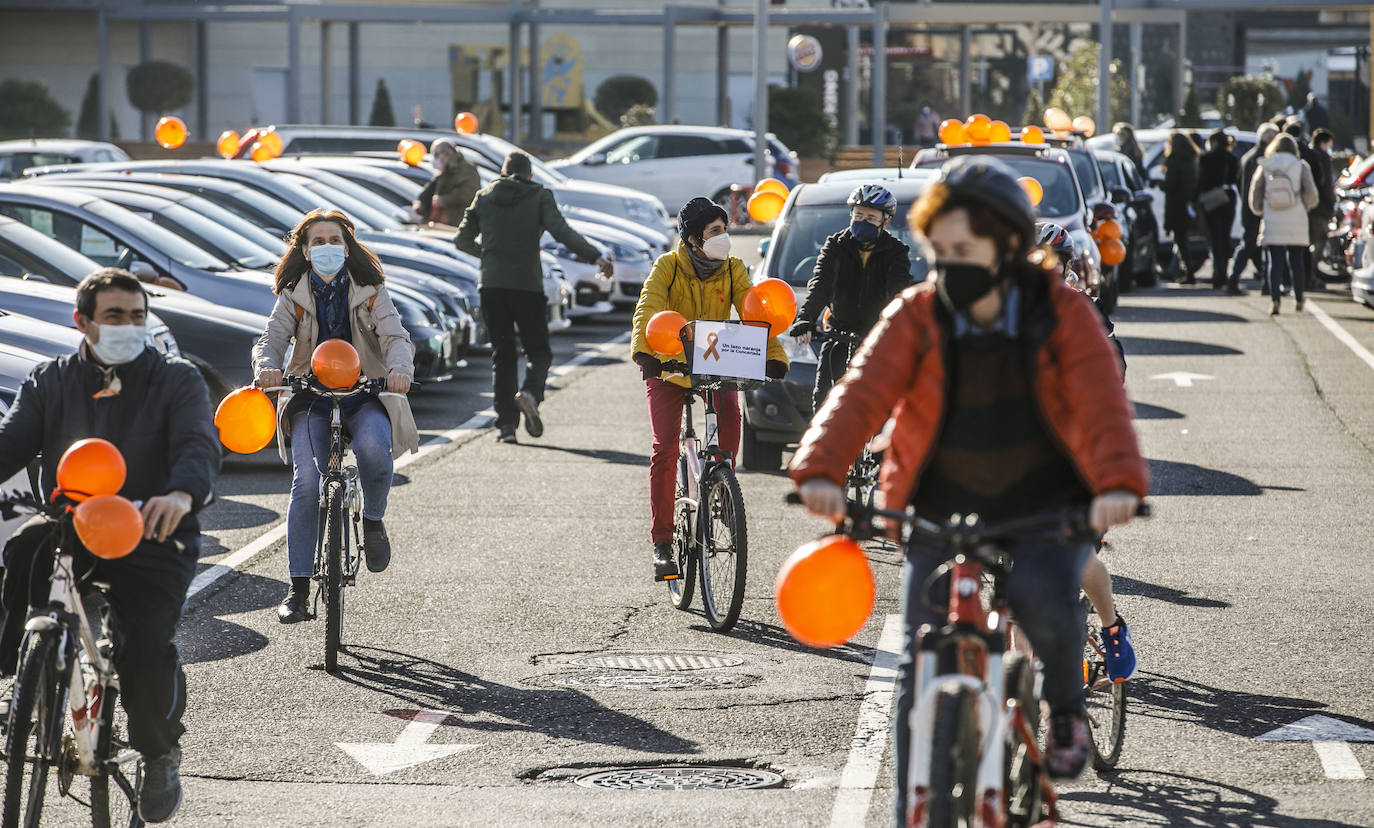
(260,152)
(1107,229)
(771,185)
(664,332)
(1032,135)
(246,420)
(109,526)
(271,140)
(170,132)
(999,132)
(465,123)
(90,467)
(1113,252)
(411,152)
(1033,189)
(825,592)
(1058,120)
(765,205)
(979,128)
(772,301)
(336,365)
(228,144)
(952,132)
(1085,125)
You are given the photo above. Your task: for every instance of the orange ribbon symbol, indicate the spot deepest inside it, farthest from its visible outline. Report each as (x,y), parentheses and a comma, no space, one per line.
(711,340)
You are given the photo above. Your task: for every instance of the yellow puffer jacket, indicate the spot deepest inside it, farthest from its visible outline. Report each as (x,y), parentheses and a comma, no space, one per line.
(673,285)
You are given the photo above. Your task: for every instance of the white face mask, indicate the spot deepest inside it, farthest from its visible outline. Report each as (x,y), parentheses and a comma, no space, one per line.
(119,343)
(717,247)
(327,258)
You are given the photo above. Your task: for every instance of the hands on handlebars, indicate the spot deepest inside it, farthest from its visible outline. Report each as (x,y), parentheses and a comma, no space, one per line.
(273,380)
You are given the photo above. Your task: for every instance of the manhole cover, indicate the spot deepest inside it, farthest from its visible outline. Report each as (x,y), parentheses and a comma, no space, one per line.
(646,681)
(659,662)
(684,778)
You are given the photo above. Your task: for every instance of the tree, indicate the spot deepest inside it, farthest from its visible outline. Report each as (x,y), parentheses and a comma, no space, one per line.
(1035,110)
(1247,100)
(382,113)
(158,87)
(27,110)
(1191,114)
(615,95)
(88,122)
(796,116)
(1302,84)
(1076,90)
(638,115)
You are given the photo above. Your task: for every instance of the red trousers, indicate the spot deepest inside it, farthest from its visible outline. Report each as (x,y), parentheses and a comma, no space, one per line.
(665,419)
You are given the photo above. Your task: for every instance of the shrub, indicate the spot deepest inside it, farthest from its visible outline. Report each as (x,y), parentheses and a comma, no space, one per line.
(617,94)
(796,117)
(158,87)
(27,110)
(1246,100)
(1075,91)
(638,115)
(382,113)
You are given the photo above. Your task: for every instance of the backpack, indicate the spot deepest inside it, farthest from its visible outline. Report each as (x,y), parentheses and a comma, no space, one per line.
(1279,191)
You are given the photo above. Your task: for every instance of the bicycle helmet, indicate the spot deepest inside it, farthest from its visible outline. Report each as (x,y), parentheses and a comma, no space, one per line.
(1056,238)
(696,214)
(874,196)
(992,184)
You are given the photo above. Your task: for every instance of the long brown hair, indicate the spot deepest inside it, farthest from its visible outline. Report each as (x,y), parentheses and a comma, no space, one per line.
(1181,146)
(364,268)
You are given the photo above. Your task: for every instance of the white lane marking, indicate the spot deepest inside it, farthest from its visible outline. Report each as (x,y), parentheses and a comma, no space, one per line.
(1338,760)
(1330,738)
(870,736)
(1340,333)
(409,749)
(1181,379)
(476,423)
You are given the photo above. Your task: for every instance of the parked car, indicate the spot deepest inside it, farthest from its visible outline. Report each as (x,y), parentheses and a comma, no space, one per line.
(17,156)
(49,339)
(1134,202)
(15,365)
(861,176)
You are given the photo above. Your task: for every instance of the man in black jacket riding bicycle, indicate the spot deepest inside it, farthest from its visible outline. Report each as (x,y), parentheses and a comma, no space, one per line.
(859,270)
(156,411)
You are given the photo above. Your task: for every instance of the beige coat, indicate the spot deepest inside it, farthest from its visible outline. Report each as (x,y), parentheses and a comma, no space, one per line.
(383,347)
(1283,227)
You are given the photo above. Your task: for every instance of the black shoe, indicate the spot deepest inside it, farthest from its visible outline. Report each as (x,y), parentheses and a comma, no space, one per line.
(376,545)
(506,435)
(665,563)
(159,796)
(1274,308)
(1187,280)
(1232,290)
(529,406)
(296,607)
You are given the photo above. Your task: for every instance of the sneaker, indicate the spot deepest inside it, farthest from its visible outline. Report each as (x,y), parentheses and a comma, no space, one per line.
(296,607)
(159,796)
(1116,642)
(529,406)
(376,545)
(1067,753)
(665,563)
(1298,306)
(506,435)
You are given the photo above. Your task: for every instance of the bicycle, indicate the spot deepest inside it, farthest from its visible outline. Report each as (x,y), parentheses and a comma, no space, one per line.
(861,484)
(1104,701)
(65,662)
(338,546)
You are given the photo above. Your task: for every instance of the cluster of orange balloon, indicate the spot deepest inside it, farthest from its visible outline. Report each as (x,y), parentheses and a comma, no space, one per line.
(772,301)
(465,123)
(336,365)
(266,146)
(92,472)
(825,591)
(1059,122)
(979,129)
(170,132)
(1107,234)
(1032,188)
(765,203)
(246,420)
(228,144)
(411,152)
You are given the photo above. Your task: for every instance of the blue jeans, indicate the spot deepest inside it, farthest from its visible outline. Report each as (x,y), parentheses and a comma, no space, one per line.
(371,430)
(1285,262)
(1043,591)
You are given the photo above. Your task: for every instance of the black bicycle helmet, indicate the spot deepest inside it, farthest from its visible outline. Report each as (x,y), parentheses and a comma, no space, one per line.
(875,196)
(1056,238)
(992,184)
(696,214)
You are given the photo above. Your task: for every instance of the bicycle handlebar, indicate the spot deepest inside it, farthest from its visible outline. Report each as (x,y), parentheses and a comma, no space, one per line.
(375,386)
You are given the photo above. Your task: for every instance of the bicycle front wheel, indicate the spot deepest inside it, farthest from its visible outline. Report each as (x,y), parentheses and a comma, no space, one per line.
(333,576)
(724,548)
(954,759)
(34,736)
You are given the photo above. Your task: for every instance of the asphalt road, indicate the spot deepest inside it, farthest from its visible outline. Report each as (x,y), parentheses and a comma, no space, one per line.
(1246,592)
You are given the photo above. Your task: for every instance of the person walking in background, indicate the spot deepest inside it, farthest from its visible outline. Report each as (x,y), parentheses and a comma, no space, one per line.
(510,214)
(1128,145)
(1294,127)
(1217,179)
(1282,192)
(1319,218)
(446,197)
(1249,220)
(1315,114)
(1180,187)
(927,126)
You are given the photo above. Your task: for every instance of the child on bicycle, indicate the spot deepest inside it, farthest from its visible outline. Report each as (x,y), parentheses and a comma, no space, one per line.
(1006,401)
(330,286)
(858,271)
(700,280)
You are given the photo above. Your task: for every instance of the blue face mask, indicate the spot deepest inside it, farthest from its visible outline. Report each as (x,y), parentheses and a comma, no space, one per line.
(863,232)
(327,258)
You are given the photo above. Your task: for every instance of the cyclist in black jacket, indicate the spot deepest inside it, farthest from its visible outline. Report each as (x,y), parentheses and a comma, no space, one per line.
(859,270)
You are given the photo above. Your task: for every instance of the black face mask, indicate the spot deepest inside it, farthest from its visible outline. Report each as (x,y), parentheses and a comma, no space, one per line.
(960,285)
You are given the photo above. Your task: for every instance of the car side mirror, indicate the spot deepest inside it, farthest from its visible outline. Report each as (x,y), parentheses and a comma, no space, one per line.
(596,159)
(1142,198)
(1120,195)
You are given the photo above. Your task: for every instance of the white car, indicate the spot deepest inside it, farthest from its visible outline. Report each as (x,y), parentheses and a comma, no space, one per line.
(17,156)
(675,163)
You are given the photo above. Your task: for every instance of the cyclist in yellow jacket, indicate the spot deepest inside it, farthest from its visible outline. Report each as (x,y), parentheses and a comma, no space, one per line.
(700,280)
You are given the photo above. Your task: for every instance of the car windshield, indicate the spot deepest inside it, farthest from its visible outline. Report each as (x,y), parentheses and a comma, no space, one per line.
(164,241)
(1110,173)
(196,227)
(806,229)
(1084,165)
(355,209)
(58,262)
(359,193)
(1061,197)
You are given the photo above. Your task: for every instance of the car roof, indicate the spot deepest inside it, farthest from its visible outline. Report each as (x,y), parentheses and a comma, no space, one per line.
(906,190)
(52,145)
(875,174)
(73,197)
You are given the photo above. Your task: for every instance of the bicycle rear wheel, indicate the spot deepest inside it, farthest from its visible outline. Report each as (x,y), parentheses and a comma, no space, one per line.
(333,576)
(1104,705)
(33,741)
(680,588)
(119,810)
(724,548)
(954,759)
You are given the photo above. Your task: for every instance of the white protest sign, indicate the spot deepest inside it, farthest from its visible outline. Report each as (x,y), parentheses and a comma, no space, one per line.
(721,349)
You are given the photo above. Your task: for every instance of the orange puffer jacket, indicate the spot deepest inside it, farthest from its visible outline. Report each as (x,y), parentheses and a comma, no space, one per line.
(900,376)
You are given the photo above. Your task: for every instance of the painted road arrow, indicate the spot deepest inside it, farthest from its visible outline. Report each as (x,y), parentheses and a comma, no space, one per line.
(1330,738)
(410,748)
(1182,379)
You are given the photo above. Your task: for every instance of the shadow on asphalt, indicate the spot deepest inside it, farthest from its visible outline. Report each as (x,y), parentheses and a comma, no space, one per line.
(205,636)
(1159,798)
(1148,346)
(1121,585)
(233,514)
(1168,477)
(1157,696)
(771,635)
(1139,313)
(1145,411)
(604,455)
(483,705)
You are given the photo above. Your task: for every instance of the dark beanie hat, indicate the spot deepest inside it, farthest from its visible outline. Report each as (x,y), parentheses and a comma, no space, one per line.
(517,163)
